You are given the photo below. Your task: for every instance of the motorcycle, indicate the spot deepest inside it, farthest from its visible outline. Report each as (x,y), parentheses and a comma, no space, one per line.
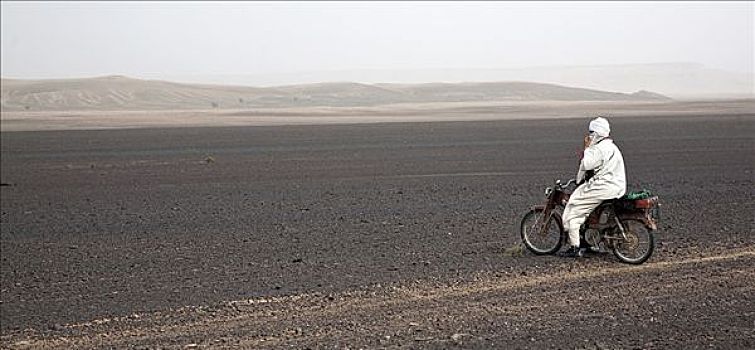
(624,225)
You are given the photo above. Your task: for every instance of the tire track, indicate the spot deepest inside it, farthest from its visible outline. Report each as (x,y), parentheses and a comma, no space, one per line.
(279,320)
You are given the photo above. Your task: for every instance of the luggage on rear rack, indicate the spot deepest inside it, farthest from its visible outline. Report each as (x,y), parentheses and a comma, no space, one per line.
(638,200)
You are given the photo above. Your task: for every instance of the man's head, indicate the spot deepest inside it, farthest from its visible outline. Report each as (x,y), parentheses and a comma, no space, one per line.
(600,127)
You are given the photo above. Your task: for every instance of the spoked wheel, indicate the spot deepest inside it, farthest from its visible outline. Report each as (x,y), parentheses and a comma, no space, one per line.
(541,235)
(638,245)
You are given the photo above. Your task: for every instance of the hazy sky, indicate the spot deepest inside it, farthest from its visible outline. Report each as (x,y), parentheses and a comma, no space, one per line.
(56,39)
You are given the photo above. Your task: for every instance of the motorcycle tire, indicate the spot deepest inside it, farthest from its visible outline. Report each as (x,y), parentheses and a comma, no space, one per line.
(531,235)
(639,237)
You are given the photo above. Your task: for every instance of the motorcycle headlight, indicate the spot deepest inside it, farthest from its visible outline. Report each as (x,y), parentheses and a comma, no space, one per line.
(548,191)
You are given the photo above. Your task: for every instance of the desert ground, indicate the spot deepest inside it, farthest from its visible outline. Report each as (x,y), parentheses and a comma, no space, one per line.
(387,113)
(378,235)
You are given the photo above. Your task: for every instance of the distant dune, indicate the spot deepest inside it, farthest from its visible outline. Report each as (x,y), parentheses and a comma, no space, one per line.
(678,80)
(119,93)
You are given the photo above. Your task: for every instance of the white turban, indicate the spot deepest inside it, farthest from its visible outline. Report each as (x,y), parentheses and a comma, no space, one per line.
(600,126)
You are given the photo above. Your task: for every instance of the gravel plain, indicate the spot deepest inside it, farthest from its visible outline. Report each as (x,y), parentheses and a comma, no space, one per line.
(388,235)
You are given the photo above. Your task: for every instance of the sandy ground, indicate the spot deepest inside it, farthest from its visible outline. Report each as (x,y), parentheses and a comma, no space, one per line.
(416,112)
(365,236)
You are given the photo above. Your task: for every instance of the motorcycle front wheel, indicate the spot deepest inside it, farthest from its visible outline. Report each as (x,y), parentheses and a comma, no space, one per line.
(638,245)
(541,235)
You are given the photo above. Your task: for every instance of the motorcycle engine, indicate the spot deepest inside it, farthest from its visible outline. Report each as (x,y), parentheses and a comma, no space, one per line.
(592,237)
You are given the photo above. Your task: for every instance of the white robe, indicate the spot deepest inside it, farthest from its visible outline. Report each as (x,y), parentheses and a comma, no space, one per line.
(608,182)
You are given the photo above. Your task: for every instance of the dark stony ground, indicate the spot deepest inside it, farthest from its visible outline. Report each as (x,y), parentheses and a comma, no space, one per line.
(384,235)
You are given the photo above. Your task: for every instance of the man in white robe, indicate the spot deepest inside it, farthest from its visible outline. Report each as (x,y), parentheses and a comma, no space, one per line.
(603,158)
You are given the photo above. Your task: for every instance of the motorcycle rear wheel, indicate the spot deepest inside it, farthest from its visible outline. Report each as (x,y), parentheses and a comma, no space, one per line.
(537,240)
(638,246)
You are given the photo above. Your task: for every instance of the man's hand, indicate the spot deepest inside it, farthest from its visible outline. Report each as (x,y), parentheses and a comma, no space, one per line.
(586,141)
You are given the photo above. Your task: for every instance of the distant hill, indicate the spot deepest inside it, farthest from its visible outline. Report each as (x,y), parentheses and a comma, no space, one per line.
(678,80)
(123,93)
(511,91)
